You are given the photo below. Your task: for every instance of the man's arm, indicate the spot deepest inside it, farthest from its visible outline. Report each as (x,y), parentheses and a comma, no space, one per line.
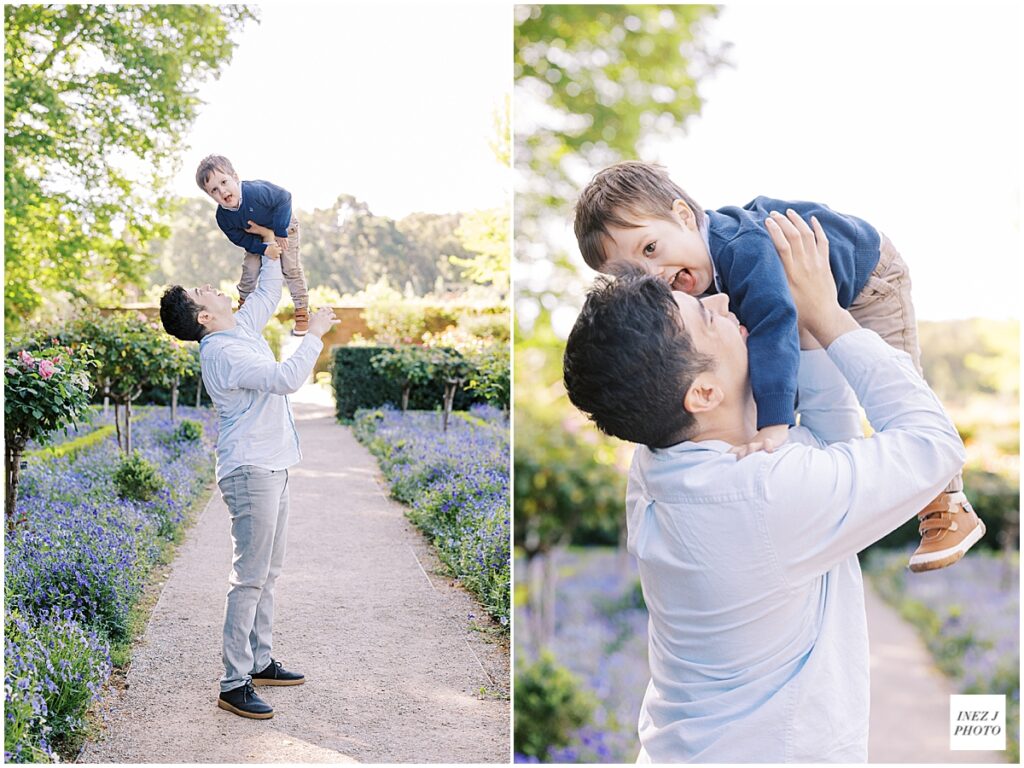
(261,304)
(242,367)
(828,407)
(240,237)
(824,505)
(278,200)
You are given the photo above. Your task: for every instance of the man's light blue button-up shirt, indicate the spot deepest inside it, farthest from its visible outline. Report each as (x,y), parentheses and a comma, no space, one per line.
(249,388)
(758,643)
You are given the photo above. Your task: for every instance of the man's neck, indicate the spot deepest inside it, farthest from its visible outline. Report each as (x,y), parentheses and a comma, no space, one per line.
(224,323)
(735,425)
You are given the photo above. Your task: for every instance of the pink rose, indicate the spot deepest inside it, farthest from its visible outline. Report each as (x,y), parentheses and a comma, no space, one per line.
(46,368)
(26,359)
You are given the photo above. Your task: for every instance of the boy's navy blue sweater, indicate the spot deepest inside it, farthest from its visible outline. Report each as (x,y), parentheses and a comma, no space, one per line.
(267,204)
(752,274)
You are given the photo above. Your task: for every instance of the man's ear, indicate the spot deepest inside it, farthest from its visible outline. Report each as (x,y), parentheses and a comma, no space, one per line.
(203,317)
(685,214)
(704,395)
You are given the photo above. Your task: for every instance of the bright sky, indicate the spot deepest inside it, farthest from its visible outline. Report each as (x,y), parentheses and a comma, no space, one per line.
(392,103)
(908,117)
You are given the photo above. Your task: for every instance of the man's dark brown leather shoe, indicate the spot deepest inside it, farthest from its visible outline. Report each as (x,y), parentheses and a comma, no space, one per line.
(244,701)
(275,674)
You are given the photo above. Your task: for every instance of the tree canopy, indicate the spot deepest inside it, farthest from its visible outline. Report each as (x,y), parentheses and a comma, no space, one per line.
(96,100)
(591,83)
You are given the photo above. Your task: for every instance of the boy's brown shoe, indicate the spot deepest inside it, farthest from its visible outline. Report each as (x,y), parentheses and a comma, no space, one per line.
(949,527)
(301,322)
(240,303)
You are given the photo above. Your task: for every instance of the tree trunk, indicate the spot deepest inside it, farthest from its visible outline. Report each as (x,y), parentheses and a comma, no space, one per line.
(199,391)
(549,591)
(128,427)
(117,425)
(174,399)
(12,459)
(405,397)
(451,386)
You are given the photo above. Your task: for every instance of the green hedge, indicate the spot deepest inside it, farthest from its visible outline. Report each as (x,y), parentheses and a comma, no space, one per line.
(358,385)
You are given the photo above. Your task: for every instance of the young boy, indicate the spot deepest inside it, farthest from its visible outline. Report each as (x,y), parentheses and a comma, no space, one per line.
(633,212)
(240,204)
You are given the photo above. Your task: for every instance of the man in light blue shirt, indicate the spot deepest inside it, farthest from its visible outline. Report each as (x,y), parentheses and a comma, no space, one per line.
(256,445)
(748,560)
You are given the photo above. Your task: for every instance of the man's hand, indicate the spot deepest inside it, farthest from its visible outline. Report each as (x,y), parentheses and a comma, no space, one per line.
(272,252)
(804,255)
(766,439)
(320,322)
(282,243)
(265,232)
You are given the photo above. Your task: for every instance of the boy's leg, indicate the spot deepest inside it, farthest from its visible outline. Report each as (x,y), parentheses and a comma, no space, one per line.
(251,264)
(295,278)
(949,526)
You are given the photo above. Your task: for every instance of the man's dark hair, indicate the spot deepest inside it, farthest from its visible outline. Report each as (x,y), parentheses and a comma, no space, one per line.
(180,314)
(629,362)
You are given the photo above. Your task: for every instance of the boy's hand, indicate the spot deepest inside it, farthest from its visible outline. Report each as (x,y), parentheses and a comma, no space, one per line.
(282,243)
(272,252)
(256,229)
(804,255)
(767,439)
(320,322)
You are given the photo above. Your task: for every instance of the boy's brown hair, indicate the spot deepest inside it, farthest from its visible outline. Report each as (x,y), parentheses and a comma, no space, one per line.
(619,196)
(208,165)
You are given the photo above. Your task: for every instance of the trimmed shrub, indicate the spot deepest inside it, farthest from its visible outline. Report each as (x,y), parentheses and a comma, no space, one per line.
(358,385)
(136,479)
(551,706)
(188,431)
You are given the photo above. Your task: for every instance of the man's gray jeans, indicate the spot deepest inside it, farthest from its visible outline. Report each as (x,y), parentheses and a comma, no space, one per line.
(257,500)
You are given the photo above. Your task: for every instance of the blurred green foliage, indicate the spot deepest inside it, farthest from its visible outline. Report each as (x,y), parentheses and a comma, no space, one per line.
(550,706)
(592,82)
(962,358)
(569,479)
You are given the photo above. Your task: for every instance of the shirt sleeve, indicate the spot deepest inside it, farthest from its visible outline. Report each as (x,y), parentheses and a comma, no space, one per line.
(262,303)
(824,505)
(827,407)
(243,368)
(759,295)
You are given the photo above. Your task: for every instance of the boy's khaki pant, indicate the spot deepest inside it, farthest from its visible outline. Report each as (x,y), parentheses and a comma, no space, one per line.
(885,306)
(294,277)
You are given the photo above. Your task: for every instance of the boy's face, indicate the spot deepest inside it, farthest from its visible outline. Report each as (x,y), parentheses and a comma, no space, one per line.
(224,188)
(673,249)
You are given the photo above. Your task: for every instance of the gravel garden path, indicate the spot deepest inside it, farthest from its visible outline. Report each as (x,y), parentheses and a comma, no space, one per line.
(397,659)
(909,695)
